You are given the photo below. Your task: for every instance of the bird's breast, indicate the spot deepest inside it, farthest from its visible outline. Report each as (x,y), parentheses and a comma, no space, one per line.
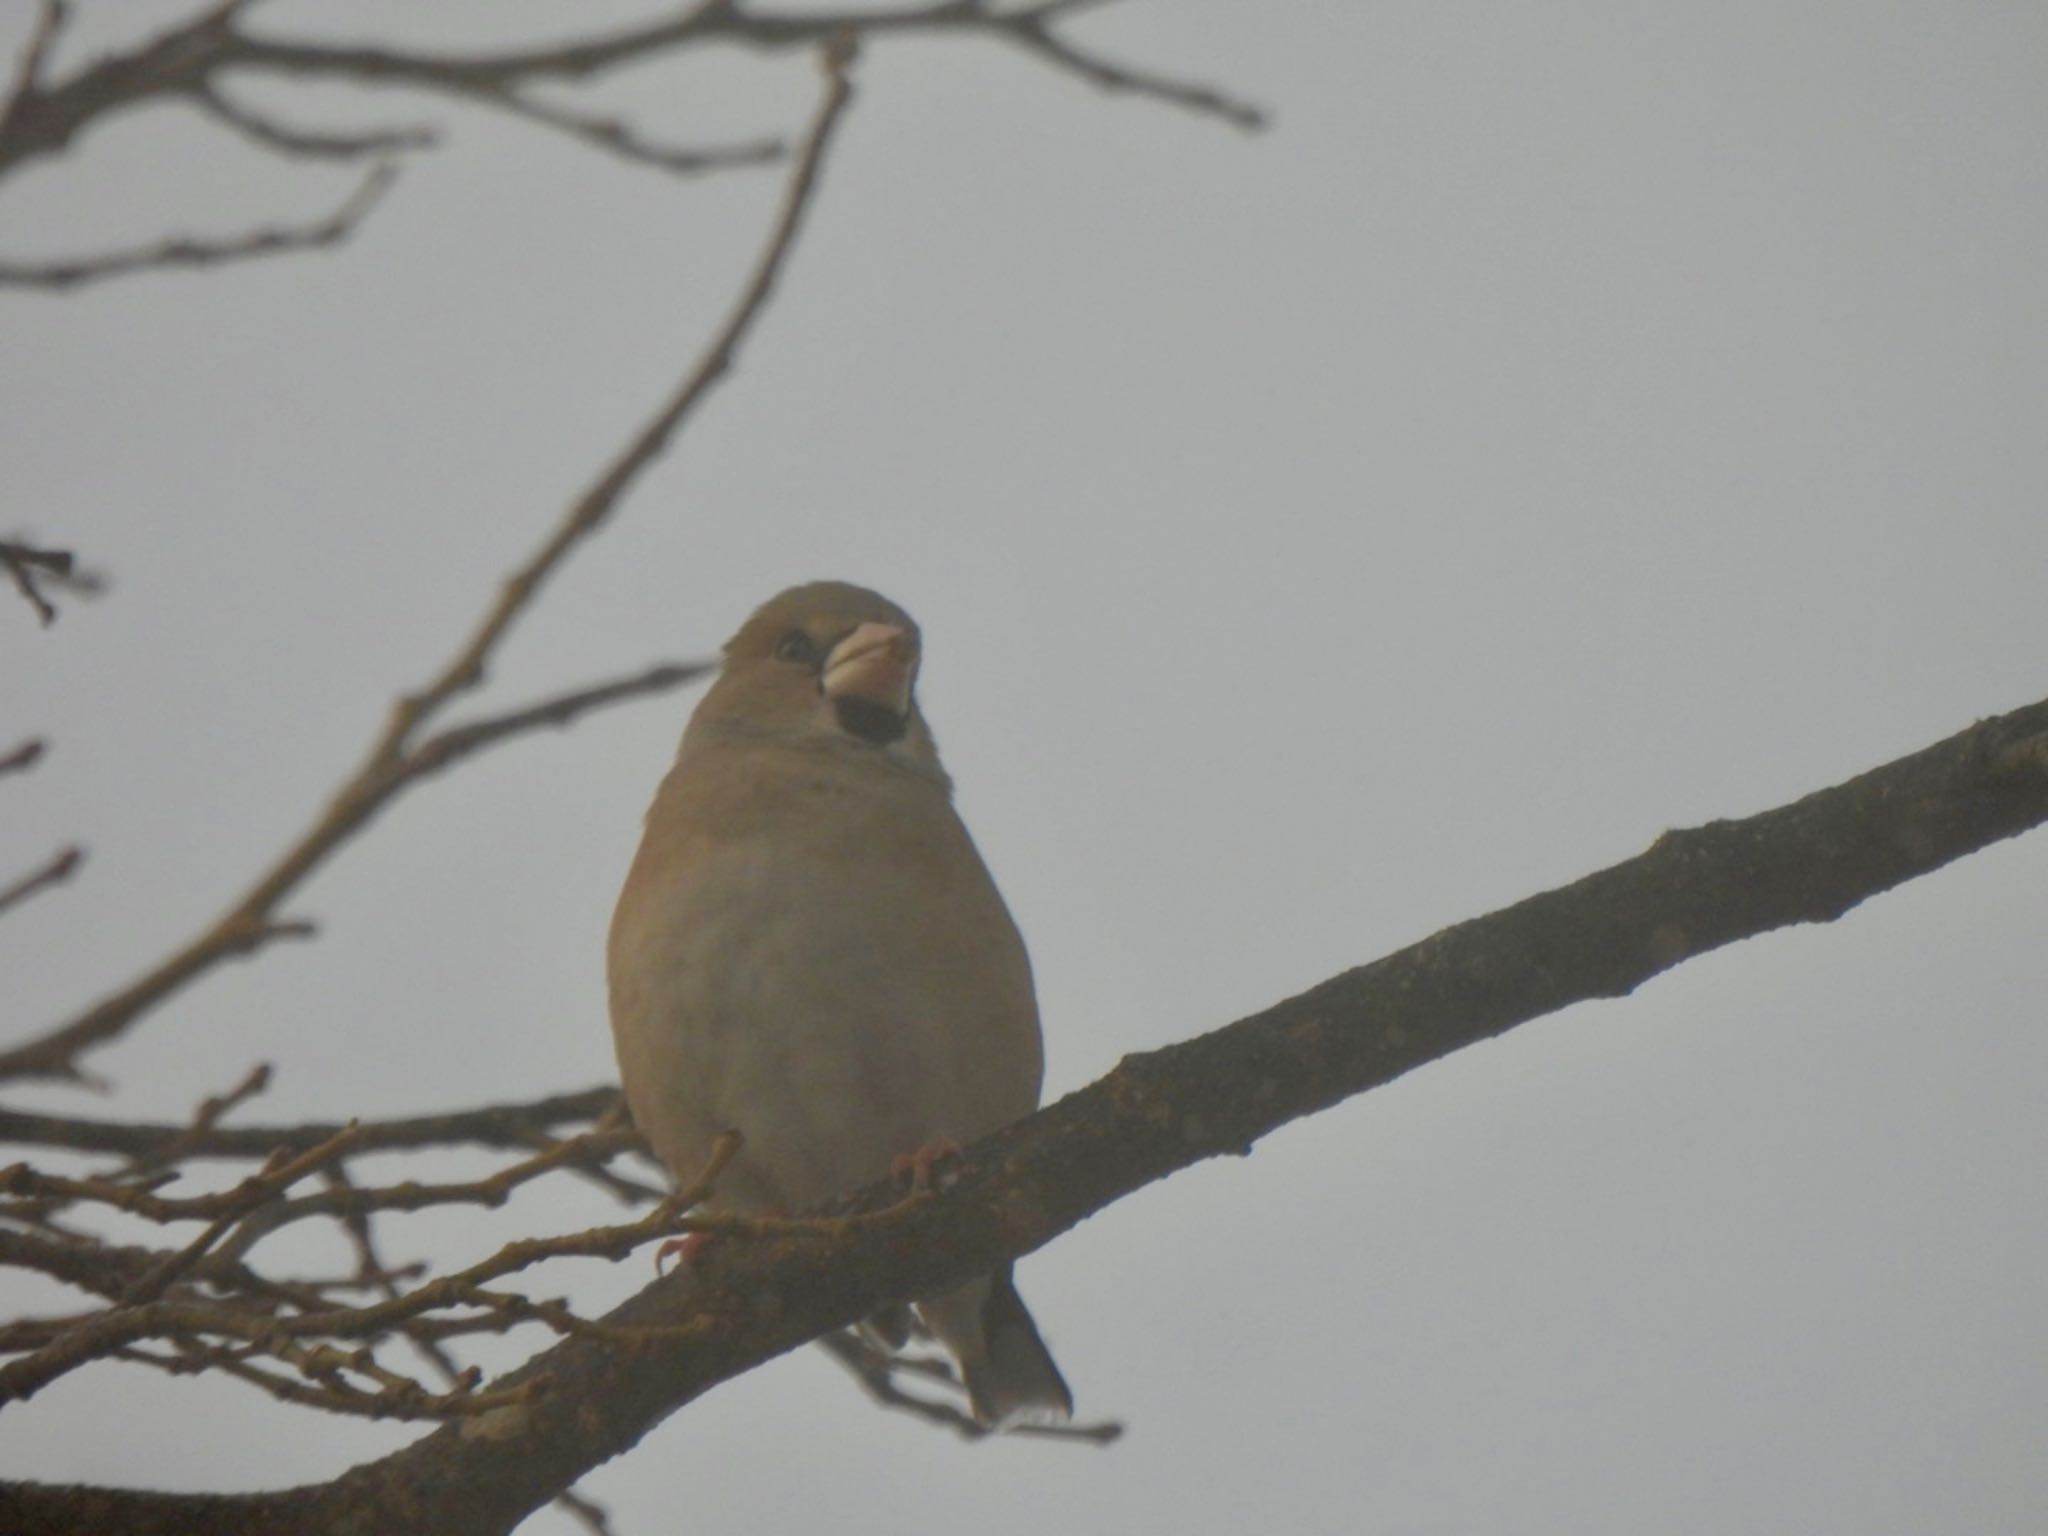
(836,989)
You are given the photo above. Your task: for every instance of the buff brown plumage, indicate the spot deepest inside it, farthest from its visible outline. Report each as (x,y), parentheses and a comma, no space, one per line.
(809,950)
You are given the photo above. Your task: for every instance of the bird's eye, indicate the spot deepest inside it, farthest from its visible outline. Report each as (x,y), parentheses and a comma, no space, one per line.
(796,646)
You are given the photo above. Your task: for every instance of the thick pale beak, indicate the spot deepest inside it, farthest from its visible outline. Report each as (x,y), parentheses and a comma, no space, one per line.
(877,663)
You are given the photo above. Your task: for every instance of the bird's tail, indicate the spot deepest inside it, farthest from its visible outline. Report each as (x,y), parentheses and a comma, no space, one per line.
(1009,1372)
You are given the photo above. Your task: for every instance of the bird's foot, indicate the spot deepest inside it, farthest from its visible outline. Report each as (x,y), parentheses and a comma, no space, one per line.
(914,1169)
(685,1250)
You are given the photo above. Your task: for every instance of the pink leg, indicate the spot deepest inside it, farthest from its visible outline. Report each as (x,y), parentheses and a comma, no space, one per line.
(689,1248)
(686,1250)
(915,1168)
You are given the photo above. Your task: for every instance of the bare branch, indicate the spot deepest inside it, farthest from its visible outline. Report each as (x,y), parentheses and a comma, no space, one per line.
(187,252)
(616,137)
(133,1318)
(448,747)
(55,872)
(586,1511)
(182,63)
(210,1112)
(393,761)
(43,118)
(590,58)
(139,1198)
(110,1270)
(105,1269)
(490,1192)
(1030,30)
(266,133)
(395,1396)
(508,1126)
(31,569)
(466,1286)
(23,757)
(596,505)
(28,73)
(238,1317)
(372,1271)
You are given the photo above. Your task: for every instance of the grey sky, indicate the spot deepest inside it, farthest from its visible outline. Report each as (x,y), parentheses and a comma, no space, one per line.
(1566,422)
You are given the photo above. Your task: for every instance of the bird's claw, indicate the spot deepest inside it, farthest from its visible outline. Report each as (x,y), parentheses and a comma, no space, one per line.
(914,1169)
(685,1250)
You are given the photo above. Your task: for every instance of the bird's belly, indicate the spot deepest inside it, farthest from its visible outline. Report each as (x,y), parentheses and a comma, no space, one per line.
(815,1016)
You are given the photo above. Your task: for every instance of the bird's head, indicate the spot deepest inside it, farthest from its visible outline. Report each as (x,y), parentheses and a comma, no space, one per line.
(819,663)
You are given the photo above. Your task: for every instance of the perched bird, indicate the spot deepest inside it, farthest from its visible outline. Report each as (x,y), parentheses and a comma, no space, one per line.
(810,951)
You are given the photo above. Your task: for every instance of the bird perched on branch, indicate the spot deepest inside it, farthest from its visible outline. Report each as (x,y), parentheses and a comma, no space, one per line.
(810,951)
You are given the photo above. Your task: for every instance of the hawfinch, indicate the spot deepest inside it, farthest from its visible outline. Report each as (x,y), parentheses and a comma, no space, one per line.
(809,950)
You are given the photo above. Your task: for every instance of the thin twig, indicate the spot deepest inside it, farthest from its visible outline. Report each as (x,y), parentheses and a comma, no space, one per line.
(1029,27)
(616,137)
(278,138)
(375,1273)
(1031,31)
(59,869)
(586,1511)
(239,1204)
(140,1198)
(152,1301)
(873,1371)
(28,73)
(182,62)
(876,1372)
(396,1397)
(189,252)
(133,1318)
(209,1113)
(29,568)
(466,1285)
(452,745)
(595,1169)
(511,1127)
(596,505)
(105,1269)
(489,1192)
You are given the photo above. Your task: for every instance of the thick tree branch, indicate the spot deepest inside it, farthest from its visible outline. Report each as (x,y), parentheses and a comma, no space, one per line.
(1692,892)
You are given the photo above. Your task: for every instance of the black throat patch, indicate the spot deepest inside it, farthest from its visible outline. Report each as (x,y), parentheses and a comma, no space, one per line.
(871,722)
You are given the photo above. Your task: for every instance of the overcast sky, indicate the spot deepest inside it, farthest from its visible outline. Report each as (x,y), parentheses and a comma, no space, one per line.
(1566,422)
